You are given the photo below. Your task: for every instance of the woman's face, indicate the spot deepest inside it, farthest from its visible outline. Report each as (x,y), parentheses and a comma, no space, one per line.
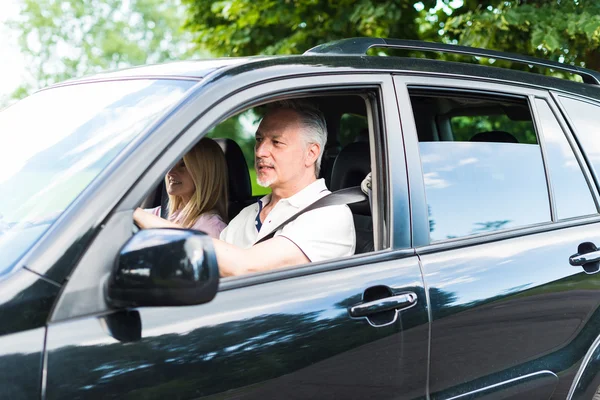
(180,183)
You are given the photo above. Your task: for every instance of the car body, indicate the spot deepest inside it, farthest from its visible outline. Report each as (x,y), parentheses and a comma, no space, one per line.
(483,237)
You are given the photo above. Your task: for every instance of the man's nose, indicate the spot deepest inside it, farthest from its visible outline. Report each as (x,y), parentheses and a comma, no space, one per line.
(262,149)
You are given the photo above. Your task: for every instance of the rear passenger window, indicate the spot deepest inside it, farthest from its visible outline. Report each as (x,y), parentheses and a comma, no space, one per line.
(572,197)
(585,118)
(484,174)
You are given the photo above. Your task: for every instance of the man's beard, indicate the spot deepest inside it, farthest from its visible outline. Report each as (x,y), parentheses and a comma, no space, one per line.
(264,183)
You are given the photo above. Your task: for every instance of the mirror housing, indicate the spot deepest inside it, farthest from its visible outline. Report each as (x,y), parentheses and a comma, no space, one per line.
(164,267)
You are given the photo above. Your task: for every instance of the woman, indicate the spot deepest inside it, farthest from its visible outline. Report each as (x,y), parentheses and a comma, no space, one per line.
(197,188)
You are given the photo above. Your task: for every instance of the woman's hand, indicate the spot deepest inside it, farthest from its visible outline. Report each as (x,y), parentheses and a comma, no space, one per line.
(146,220)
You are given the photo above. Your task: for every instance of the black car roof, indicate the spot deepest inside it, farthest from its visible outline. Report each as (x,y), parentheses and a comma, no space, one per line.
(332,63)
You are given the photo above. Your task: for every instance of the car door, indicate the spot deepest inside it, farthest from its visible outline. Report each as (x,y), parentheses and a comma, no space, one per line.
(500,218)
(284,334)
(24,308)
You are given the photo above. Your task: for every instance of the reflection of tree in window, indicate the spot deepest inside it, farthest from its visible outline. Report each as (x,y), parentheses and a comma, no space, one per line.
(490,226)
(431,220)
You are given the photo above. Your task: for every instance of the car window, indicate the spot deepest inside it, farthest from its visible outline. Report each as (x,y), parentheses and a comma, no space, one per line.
(480,178)
(572,196)
(345,167)
(240,128)
(584,118)
(464,127)
(58,140)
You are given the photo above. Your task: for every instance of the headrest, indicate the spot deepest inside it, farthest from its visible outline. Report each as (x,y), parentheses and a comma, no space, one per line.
(350,168)
(494,137)
(240,188)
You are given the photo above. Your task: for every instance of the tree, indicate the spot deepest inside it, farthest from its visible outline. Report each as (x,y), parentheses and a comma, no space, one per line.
(62,39)
(566,31)
(249,27)
(528,27)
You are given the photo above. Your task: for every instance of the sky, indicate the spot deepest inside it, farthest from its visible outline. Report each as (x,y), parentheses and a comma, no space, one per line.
(12,70)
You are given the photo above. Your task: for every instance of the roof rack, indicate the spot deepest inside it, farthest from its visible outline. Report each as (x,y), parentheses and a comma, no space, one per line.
(360,46)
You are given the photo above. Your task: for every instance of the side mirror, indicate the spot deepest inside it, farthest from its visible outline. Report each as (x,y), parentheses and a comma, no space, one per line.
(164,267)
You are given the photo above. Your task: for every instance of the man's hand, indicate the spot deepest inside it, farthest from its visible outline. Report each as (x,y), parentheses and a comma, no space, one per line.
(274,253)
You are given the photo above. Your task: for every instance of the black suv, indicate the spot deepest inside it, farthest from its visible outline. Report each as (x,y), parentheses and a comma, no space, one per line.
(475,274)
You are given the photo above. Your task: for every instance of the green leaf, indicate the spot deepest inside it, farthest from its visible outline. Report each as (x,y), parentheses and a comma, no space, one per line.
(537,37)
(552,41)
(591,27)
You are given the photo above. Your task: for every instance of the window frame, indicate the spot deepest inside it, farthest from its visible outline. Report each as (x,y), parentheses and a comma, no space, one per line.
(379,115)
(558,117)
(571,131)
(239,96)
(416,180)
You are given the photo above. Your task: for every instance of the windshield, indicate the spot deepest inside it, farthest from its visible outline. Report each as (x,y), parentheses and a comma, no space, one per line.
(55,142)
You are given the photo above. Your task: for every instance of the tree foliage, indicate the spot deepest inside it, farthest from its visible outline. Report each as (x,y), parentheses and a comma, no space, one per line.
(66,38)
(561,30)
(62,39)
(249,27)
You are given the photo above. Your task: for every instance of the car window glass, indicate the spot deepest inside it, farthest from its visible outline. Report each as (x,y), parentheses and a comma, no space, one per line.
(481,180)
(584,117)
(464,127)
(572,196)
(59,140)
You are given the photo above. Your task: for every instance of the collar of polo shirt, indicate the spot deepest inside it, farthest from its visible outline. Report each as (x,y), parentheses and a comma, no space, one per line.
(303,198)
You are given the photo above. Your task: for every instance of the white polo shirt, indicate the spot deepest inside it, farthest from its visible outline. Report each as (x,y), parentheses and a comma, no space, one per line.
(321,234)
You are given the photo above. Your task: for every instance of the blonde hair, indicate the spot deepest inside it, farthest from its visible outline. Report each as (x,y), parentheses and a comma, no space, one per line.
(206,164)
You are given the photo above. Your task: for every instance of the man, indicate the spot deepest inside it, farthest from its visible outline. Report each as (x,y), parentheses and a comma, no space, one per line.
(289,146)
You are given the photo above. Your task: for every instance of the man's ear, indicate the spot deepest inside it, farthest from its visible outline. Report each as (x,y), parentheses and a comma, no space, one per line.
(312,153)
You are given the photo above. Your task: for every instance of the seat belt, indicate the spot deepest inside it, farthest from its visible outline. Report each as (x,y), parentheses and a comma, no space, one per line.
(164,201)
(339,197)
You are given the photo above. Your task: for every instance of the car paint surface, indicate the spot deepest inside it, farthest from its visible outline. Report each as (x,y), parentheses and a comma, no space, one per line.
(516,307)
(25,302)
(290,339)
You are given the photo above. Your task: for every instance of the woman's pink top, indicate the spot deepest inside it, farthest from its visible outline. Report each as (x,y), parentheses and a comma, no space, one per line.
(210,223)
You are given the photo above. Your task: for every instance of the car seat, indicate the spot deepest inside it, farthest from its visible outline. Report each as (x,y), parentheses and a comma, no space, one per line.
(240,187)
(351,166)
(494,137)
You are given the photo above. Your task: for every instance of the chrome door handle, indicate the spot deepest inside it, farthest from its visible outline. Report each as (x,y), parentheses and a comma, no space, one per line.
(398,302)
(587,257)
(581,259)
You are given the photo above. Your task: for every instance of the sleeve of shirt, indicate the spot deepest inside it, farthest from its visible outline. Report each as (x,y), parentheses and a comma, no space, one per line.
(223,234)
(155,211)
(323,233)
(211,224)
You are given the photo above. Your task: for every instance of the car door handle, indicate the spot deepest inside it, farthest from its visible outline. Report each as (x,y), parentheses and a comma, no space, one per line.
(588,257)
(581,259)
(398,302)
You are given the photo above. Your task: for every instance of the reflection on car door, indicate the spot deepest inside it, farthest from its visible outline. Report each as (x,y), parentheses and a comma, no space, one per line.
(290,338)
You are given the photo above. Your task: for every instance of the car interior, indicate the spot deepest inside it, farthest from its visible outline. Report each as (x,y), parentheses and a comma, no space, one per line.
(455,116)
(346,158)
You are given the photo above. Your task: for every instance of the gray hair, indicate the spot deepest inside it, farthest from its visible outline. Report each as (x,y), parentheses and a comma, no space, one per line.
(315,127)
